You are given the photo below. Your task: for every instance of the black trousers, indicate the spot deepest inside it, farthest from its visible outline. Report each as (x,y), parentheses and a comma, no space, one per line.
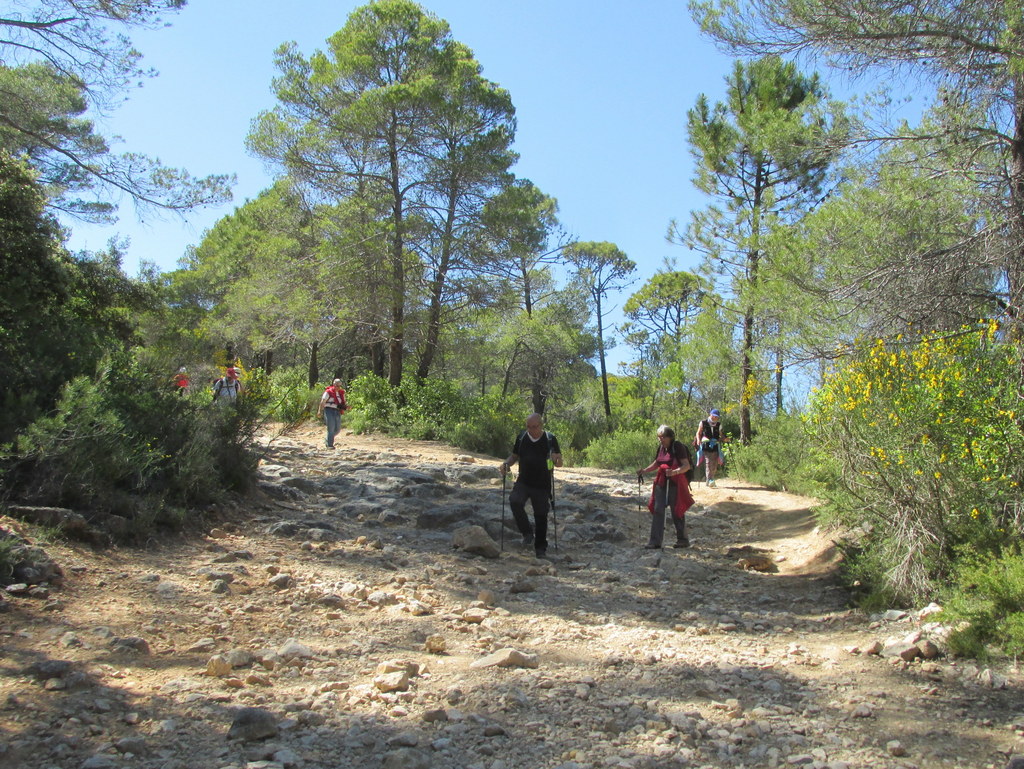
(540,499)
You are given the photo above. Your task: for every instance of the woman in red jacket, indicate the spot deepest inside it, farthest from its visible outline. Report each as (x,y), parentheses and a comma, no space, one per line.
(671,488)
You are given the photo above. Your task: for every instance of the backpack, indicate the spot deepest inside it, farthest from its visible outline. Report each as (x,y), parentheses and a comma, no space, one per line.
(338,398)
(224,383)
(714,435)
(547,435)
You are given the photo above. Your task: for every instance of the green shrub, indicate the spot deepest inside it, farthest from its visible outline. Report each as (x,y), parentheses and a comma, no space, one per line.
(11,549)
(986,607)
(434,409)
(291,399)
(861,564)
(490,427)
(374,404)
(123,444)
(627,450)
(433,402)
(780,456)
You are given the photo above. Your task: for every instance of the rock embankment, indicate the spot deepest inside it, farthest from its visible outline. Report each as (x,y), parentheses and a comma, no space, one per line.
(330,622)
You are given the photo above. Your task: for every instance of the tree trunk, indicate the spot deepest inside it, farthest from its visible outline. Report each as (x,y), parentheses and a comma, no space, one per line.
(600,355)
(1015,267)
(746,376)
(540,398)
(778,381)
(527,291)
(377,358)
(396,345)
(508,370)
(437,293)
(314,364)
(752,266)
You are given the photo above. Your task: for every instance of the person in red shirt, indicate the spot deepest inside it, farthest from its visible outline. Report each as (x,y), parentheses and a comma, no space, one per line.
(181,381)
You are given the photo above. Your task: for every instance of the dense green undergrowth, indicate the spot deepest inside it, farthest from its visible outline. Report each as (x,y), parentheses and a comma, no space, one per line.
(117,446)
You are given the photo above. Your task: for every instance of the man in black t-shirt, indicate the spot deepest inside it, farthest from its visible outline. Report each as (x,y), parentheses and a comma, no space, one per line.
(537,452)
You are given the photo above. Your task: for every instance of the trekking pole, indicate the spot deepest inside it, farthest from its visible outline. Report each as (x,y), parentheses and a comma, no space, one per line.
(639,509)
(554,518)
(504,475)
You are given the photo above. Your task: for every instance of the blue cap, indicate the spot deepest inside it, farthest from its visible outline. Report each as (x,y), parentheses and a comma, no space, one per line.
(715,413)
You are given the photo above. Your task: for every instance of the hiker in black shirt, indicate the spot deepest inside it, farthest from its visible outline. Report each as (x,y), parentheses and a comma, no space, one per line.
(537,452)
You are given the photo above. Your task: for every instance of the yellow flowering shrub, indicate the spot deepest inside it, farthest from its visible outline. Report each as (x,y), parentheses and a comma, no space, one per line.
(928,450)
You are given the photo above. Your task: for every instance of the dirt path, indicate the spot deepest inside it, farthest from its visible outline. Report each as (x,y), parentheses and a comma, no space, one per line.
(358,632)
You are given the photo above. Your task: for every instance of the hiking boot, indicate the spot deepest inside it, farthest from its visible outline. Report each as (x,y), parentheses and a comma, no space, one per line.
(652,547)
(682,543)
(527,540)
(541,552)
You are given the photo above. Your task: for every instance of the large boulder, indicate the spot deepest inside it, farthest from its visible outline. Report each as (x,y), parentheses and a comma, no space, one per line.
(476,540)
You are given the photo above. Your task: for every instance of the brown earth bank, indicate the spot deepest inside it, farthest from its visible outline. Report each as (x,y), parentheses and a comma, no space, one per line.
(328,621)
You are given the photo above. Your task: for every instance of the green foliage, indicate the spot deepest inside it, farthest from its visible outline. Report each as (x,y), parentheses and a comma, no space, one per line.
(420,189)
(428,408)
(763,155)
(11,550)
(986,607)
(859,571)
(291,399)
(124,444)
(490,427)
(58,314)
(626,450)
(780,456)
(926,447)
(435,409)
(374,404)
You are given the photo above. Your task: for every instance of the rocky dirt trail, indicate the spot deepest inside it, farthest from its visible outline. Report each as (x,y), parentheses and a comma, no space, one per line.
(329,622)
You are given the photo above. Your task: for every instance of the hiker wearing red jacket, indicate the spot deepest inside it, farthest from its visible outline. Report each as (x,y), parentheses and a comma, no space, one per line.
(671,488)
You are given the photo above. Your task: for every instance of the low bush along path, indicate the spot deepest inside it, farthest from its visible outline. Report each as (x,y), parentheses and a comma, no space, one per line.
(328,621)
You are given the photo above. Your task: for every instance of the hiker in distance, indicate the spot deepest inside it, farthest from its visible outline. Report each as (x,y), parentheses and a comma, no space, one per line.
(228,387)
(537,452)
(708,442)
(671,488)
(332,406)
(182,382)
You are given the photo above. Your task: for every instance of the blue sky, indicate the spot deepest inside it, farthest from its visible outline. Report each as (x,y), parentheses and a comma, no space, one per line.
(601,91)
